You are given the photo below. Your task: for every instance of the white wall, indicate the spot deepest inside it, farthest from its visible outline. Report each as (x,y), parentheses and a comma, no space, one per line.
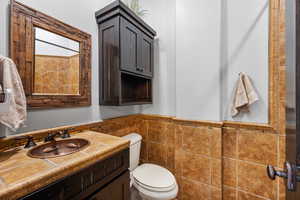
(200,48)
(161,16)
(80,14)
(197,59)
(215,40)
(244,41)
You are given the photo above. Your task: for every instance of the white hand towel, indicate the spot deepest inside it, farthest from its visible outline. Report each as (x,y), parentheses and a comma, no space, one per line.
(17,111)
(245,95)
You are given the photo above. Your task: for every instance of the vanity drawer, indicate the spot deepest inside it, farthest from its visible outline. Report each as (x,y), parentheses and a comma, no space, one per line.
(85,182)
(53,192)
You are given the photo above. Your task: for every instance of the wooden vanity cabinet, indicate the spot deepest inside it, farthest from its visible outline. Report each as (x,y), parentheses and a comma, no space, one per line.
(126,56)
(105,180)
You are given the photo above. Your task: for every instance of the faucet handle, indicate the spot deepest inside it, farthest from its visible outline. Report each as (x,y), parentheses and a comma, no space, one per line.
(65,133)
(50,137)
(30,141)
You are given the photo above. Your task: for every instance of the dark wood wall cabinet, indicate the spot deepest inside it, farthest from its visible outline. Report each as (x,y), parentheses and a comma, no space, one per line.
(125,56)
(106,180)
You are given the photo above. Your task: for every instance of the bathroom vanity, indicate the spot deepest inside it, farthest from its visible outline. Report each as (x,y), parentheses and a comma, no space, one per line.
(98,172)
(104,180)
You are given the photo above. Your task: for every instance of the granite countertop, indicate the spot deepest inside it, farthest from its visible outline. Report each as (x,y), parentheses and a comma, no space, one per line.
(21,175)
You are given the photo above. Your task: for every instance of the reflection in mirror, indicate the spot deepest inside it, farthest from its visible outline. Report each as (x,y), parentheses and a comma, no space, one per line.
(57,61)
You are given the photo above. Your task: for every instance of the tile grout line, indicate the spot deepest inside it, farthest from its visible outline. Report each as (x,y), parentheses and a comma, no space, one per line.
(237,162)
(249,162)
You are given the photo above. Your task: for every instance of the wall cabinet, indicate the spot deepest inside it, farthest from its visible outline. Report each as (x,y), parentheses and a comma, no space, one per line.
(126,56)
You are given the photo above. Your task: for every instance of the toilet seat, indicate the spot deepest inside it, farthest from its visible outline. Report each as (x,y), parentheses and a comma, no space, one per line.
(154,178)
(154,189)
(151,195)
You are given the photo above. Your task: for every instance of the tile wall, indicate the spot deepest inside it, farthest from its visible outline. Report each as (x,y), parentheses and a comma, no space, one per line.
(246,154)
(209,161)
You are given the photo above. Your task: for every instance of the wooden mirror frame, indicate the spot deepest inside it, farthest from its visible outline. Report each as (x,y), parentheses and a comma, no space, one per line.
(23,19)
(277,66)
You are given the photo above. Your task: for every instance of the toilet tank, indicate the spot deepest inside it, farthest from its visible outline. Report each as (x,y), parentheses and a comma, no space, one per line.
(135,149)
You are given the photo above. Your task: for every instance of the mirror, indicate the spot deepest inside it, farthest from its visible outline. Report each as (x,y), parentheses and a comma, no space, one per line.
(56,68)
(52,57)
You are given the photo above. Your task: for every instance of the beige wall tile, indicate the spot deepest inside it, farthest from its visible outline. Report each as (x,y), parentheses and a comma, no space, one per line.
(142,128)
(253,178)
(282,151)
(282,189)
(169,134)
(248,196)
(229,142)
(178,136)
(156,131)
(179,161)
(229,172)
(144,151)
(196,140)
(216,172)
(216,142)
(216,193)
(197,168)
(229,193)
(157,153)
(170,159)
(257,146)
(195,191)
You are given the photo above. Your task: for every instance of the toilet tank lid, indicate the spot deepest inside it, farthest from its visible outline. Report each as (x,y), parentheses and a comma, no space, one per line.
(133,137)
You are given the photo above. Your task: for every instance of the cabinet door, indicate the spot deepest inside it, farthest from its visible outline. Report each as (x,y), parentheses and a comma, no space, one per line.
(129,46)
(145,56)
(116,190)
(109,62)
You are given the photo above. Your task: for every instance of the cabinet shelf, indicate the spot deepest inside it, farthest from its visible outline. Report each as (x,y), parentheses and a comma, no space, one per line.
(135,90)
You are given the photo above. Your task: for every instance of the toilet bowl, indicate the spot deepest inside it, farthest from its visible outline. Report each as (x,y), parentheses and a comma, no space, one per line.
(153,182)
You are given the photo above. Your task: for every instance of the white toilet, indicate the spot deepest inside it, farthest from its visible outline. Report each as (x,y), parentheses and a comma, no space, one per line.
(152,181)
